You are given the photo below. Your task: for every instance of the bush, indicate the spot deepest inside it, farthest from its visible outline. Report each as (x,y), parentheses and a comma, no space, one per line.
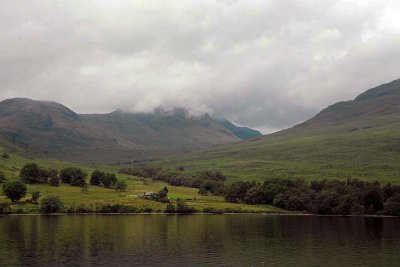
(183,207)
(170,208)
(35,196)
(81,208)
(392,206)
(5,156)
(121,186)
(2,177)
(236,192)
(255,195)
(373,199)
(109,180)
(97,177)
(54,181)
(161,196)
(14,190)
(213,210)
(5,208)
(51,204)
(73,176)
(148,210)
(214,187)
(117,208)
(30,173)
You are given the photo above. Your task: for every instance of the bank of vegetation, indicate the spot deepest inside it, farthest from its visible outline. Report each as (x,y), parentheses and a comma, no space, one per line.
(327,197)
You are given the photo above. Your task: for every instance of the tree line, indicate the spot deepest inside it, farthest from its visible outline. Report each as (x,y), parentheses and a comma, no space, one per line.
(328,197)
(32,173)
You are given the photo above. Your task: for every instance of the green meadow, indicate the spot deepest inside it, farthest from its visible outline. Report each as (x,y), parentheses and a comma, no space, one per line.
(74,197)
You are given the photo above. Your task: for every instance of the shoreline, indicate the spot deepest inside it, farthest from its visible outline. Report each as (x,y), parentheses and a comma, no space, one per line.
(199,213)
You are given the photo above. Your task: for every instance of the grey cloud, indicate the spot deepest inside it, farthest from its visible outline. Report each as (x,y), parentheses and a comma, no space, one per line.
(267,64)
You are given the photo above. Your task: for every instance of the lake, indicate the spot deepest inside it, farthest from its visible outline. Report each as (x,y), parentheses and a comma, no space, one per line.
(198,240)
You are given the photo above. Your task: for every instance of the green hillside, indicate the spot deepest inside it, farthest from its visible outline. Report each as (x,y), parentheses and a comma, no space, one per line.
(357,139)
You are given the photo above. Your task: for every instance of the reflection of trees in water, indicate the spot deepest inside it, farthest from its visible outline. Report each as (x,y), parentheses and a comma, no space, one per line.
(186,239)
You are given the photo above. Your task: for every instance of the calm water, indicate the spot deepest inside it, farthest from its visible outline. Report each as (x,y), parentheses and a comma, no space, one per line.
(198,240)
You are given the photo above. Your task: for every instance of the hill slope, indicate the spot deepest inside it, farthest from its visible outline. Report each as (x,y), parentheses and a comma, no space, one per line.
(51,129)
(243,133)
(358,138)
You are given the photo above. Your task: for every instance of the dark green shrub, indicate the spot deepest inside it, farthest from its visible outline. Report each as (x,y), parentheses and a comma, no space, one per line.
(183,207)
(30,173)
(109,180)
(51,204)
(73,176)
(214,187)
(14,190)
(5,156)
(121,186)
(170,208)
(256,195)
(213,210)
(97,177)
(373,199)
(82,209)
(35,196)
(392,206)
(148,210)
(5,208)
(54,181)
(116,208)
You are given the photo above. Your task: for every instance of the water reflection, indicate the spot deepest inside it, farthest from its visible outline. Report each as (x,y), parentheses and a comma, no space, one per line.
(230,240)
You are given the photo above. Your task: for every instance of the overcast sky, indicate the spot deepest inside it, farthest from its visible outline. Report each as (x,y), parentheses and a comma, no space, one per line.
(265,64)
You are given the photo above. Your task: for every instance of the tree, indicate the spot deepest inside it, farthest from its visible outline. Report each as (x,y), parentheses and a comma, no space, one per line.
(5,208)
(161,196)
(43,175)
(236,192)
(97,177)
(212,186)
(51,204)
(170,208)
(35,196)
(30,173)
(373,199)
(73,176)
(2,177)
(183,207)
(255,195)
(53,177)
(14,190)
(54,181)
(109,180)
(121,186)
(392,206)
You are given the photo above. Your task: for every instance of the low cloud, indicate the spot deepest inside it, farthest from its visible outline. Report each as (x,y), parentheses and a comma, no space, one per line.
(266,64)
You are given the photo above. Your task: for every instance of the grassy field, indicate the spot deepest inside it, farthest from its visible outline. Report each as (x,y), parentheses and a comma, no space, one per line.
(370,153)
(73,196)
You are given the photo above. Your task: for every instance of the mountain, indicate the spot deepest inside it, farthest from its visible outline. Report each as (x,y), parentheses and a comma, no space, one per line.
(51,129)
(243,133)
(359,138)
